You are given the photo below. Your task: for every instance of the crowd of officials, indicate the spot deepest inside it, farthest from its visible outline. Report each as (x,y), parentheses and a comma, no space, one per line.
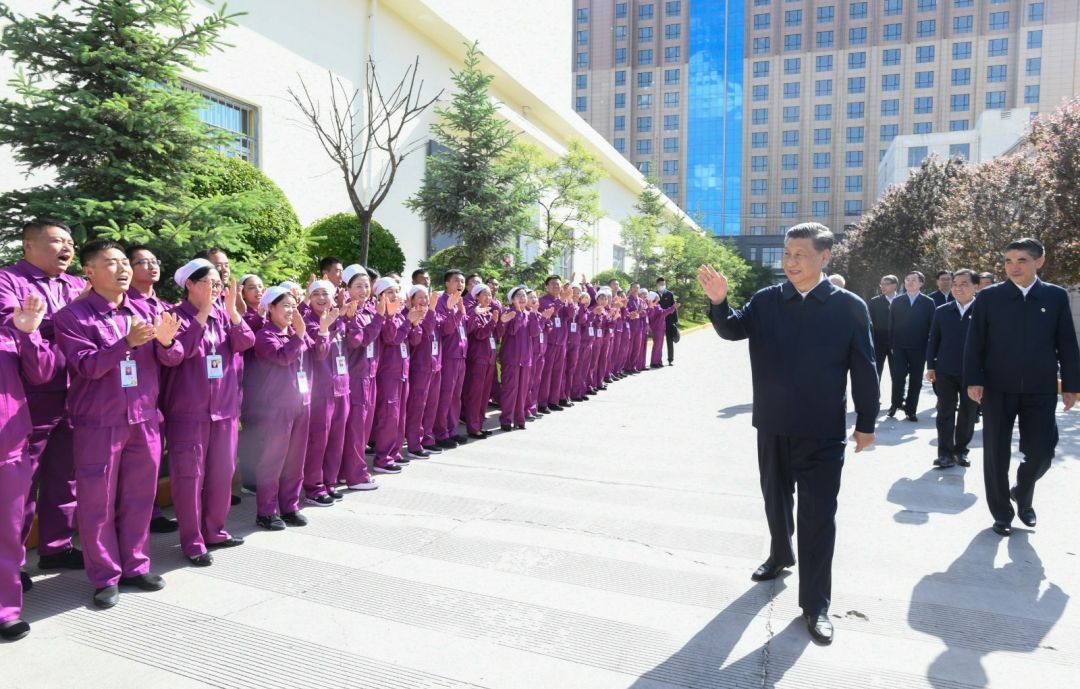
(282,389)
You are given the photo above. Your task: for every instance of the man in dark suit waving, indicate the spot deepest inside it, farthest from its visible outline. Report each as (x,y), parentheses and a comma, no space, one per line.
(806,336)
(945,368)
(671,325)
(910,315)
(1021,335)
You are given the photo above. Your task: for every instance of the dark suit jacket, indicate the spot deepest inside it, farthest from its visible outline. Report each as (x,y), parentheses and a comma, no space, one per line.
(879,316)
(801,352)
(941,299)
(667,299)
(945,351)
(1016,345)
(910,324)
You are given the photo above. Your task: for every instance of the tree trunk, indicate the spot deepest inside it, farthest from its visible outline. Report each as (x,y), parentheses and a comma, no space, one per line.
(365,238)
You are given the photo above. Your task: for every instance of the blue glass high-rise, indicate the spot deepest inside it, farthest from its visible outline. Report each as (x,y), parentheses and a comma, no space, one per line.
(714,101)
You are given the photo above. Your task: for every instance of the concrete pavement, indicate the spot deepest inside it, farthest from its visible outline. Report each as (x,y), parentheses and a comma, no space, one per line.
(608,546)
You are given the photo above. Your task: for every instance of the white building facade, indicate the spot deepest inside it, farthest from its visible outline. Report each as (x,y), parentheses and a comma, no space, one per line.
(526,46)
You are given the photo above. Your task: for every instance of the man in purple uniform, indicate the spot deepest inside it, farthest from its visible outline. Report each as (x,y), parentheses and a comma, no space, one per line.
(454,343)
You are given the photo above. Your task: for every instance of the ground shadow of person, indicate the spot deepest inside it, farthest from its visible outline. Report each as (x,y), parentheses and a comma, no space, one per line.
(734,410)
(939,491)
(701,661)
(970,634)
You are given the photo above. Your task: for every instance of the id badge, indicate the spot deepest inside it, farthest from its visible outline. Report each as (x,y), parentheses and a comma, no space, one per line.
(214,367)
(129,374)
(435,347)
(342,365)
(573,327)
(301,382)
(592,331)
(558,322)
(371,350)
(461,331)
(404,351)
(541,338)
(491,341)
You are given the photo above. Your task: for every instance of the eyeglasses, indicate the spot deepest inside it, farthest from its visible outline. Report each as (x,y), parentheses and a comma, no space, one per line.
(213,284)
(147,262)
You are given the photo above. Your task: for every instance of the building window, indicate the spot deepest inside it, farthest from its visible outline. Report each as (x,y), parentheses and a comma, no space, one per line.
(761,45)
(853,159)
(995,100)
(924,105)
(759,163)
(821,185)
(792,65)
(671,144)
(789,185)
(672,53)
(893,7)
(583,15)
(857,36)
(761,69)
(924,80)
(853,207)
(924,53)
(823,112)
(645,11)
(757,210)
(671,123)
(582,81)
(1031,94)
(1033,67)
(822,137)
(825,15)
(788,209)
(958,125)
(915,155)
(620,145)
(791,137)
(823,63)
(620,123)
(823,87)
(644,79)
(672,31)
(1034,39)
(856,85)
(620,100)
(671,189)
(960,102)
(582,60)
(999,21)
(620,56)
(791,113)
(620,77)
(963,3)
(620,10)
(772,257)
(583,38)
(824,39)
(892,32)
(759,187)
(923,128)
(644,33)
(996,74)
(755,229)
(856,110)
(581,104)
(644,100)
(926,28)
(643,146)
(789,161)
(999,47)
(759,140)
(671,99)
(644,124)
(961,76)
(760,92)
(673,8)
(820,208)
(890,57)
(856,60)
(793,18)
(762,21)
(822,161)
(1036,11)
(964,24)
(855,135)
(671,76)
(238,120)
(671,167)
(645,57)
(927,5)
(759,116)
(791,89)
(890,107)
(793,41)
(889,131)
(890,82)
(853,183)
(962,50)
(857,10)
(961,150)
(620,33)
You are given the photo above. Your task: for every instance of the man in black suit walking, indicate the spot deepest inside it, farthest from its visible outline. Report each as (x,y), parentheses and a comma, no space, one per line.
(805,336)
(671,333)
(943,294)
(945,368)
(879,317)
(1021,335)
(910,315)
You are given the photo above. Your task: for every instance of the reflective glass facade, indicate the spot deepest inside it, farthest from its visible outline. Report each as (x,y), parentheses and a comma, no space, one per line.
(715,114)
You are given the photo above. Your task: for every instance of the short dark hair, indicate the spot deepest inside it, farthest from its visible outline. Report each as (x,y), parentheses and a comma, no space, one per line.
(890,279)
(328,262)
(373,274)
(132,250)
(491,280)
(916,273)
(38,224)
(971,274)
(821,236)
(470,276)
(986,276)
(550,278)
(1029,244)
(417,273)
(944,272)
(659,280)
(451,273)
(210,252)
(96,246)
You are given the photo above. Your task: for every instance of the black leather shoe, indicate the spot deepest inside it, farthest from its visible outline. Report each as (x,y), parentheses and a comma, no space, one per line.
(234,500)
(543,410)
(294,519)
(459,439)
(962,459)
(555,407)
(72,558)
(163,525)
(944,462)
(14,630)
(912,418)
(107,597)
(1025,512)
(270,523)
(820,628)
(204,560)
(506,428)
(565,403)
(1002,529)
(230,542)
(767,571)
(446,444)
(146,582)
(26,581)
(477,436)
(892,413)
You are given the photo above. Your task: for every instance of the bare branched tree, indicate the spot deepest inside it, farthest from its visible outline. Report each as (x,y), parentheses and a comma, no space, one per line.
(359,129)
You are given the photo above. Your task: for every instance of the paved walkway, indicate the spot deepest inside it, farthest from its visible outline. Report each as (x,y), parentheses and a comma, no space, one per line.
(609,546)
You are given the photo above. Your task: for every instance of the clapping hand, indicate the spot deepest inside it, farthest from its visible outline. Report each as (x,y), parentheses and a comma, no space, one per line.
(140,332)
(714,284)
(350,309)
(232,299)
(298,321)
(509,316)
(29,317)
(165,327)
(327,319)
(393,305)
(548,312)
(417,313)
(380,306)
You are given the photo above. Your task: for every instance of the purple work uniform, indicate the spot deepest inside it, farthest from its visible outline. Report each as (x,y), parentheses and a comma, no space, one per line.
(454,344)
(201,401)
(362,335)
(22,357)
(392,388)
(516,362)
(113,407)
(329,410)
(425,382)
(52,487)
(637,328)
(540,342)
(484,332)
(495,307)
(275,412)
(551,385)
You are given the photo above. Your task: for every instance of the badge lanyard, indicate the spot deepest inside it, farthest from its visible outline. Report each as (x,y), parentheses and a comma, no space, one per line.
(214,361)
(340,362)
(129,376)
(301,376)
(57,302)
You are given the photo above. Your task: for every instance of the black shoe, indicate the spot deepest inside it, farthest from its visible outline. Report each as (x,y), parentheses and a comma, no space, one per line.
(656,366)
(234,500)
(294,519)
(271,523)
(107,597)
(486,433)
(402,461)
(565,404)
(146,582)
(204,560)
(533,417)
(388,469)
(26,581)
(72,558)
(230,542)
(670,363)
(417,454)
(767,571)
(338,497)
(506,428)
(433,449)
(543,410)
(912,418)
(892,413)
(477,436)
(163,525)
(962,459)
(555,407)
(944,462)
(447,444)
(820,628)
(1002,528)
(320,501)
(14,630)
(1025,512)
(459,439)
(520,426)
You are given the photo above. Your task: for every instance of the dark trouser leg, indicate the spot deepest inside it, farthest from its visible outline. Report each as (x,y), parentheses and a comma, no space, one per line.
(816,464)
(999,414)
(916,364)
(670,345)
(965,419)
(778,489)
(898,369)
(948,394)
(881,355)
(1038,439)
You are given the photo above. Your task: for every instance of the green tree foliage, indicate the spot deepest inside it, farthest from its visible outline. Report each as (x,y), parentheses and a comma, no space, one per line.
(605,276)
(474,190)
(335,235)
(683,250)
(641,232)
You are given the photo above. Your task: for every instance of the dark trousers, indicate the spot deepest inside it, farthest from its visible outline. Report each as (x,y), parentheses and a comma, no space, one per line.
(1038,438)
(907,369)
(813,466)
(881,355)
(670,337)
(955,416)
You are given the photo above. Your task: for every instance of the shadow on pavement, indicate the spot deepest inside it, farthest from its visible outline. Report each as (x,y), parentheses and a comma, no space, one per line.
(734,410)
(938,491)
